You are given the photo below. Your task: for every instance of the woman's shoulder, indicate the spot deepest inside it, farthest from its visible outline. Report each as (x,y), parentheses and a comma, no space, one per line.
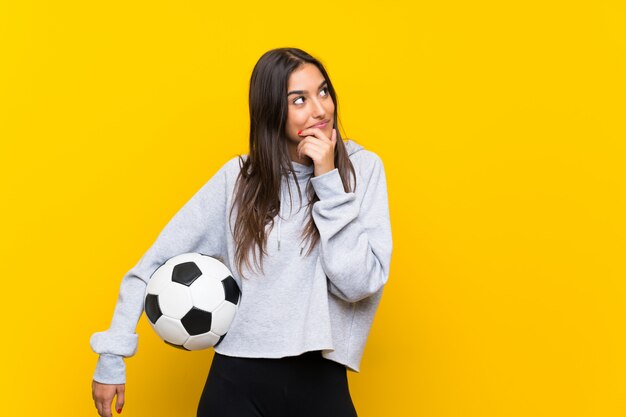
(226,173)
(233,165)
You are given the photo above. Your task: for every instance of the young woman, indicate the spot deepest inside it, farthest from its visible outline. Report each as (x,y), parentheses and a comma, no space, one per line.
(302,221)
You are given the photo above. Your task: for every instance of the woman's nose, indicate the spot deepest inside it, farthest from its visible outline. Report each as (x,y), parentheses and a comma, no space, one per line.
(318,109)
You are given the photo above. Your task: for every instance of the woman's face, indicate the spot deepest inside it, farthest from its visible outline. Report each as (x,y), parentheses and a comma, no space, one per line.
(309,103)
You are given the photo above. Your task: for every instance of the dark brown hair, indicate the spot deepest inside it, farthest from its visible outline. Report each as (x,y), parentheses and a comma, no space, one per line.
(257,190)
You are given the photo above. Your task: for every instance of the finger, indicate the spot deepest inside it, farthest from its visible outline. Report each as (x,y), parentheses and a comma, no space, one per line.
(315,132)
(313,151)
(333,136)
(106,409)
(306,143)
(119,403)
(301,149)
(300,145)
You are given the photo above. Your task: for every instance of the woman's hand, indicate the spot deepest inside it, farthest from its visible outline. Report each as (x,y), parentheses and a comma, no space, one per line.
(103,396)
(317,146)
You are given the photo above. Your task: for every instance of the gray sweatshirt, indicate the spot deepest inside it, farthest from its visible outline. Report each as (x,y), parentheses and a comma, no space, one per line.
(324,301)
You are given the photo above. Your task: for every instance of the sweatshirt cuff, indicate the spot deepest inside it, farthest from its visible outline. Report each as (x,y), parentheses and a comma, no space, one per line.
(328,184)
(123,344)
(110,369)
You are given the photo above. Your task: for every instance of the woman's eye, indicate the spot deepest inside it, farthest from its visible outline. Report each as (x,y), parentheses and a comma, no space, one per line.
(325,90)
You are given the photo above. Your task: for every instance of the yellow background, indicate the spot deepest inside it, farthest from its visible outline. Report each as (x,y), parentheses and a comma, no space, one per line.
(501,126)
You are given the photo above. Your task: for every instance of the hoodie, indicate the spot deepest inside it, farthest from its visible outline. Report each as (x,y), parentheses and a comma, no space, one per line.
(324,300)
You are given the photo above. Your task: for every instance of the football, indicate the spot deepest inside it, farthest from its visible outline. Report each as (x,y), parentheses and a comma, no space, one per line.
(191,300)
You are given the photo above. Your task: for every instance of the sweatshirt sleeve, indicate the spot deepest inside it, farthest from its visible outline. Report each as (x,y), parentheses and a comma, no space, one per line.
(199,226)
(355,231)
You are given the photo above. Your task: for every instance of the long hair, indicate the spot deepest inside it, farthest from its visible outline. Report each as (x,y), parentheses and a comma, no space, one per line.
(257,190)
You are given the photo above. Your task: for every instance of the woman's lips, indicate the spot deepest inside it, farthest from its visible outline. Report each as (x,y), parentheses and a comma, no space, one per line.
(321,125)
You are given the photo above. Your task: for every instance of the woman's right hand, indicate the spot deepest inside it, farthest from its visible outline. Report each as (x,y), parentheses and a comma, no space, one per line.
(103,396)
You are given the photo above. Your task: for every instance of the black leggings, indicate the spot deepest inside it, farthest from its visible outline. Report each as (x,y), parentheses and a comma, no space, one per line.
(307,385)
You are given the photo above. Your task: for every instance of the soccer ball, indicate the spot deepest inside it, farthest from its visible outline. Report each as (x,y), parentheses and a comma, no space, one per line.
(191,300)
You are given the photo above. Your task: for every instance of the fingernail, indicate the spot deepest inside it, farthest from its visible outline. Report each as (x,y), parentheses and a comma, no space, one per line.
(299,131)
(119,411)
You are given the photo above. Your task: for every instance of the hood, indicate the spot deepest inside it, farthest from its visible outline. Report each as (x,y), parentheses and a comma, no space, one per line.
(303,174)
(352,147)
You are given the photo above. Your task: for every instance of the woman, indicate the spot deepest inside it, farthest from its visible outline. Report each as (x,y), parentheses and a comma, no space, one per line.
(302,221)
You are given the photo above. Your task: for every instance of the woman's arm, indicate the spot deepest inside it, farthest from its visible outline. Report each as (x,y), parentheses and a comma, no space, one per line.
(198,226)
(355,233)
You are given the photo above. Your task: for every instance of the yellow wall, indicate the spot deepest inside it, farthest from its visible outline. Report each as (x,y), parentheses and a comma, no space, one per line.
(501,125)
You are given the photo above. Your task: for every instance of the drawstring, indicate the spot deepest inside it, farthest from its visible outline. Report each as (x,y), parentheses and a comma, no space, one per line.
(280,215)
(282,206)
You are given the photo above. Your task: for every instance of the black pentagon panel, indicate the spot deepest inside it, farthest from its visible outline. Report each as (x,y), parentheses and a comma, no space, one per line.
(186,273)
(219,341)
(177,346)
(153,311)
(231,289)
(196,321)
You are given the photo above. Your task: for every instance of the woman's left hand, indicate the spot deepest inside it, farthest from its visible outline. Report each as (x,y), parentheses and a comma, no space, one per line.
(319,148)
